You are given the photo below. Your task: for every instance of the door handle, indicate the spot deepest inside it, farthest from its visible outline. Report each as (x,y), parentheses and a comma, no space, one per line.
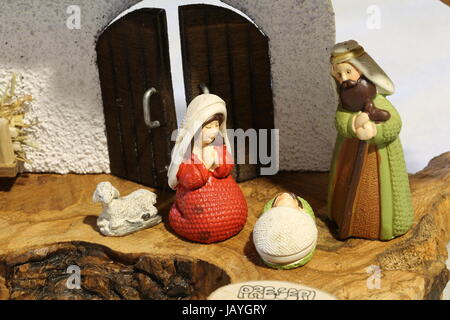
(203,88)
(146,104)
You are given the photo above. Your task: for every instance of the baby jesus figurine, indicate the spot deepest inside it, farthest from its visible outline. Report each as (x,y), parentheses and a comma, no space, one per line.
(285,236)
(209,206)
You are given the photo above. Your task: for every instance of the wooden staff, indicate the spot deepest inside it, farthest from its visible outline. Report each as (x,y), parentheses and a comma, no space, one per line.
(344,229)
(376,115)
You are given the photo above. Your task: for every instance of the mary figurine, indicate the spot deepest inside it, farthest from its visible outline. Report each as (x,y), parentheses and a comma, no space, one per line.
(209,206)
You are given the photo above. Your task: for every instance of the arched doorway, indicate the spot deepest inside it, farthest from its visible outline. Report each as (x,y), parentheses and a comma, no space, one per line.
(219,48)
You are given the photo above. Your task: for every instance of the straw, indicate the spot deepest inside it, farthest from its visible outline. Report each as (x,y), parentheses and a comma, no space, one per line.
(12,108)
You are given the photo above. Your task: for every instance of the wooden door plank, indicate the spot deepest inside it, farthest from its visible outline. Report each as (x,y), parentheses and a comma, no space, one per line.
(194,41)
(156,61)
(242,89)
(111,112)
(219,60)
(140,84)
(119,44)
(263,108)
(261,80)
(240,75)
(167,95)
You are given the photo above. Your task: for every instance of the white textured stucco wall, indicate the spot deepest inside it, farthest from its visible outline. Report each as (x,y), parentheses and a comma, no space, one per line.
(59,70)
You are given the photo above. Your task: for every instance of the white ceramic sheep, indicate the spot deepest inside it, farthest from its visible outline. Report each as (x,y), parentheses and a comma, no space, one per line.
(125,215)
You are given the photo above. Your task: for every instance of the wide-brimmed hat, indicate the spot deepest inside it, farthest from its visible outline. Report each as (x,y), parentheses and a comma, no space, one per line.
(351,52)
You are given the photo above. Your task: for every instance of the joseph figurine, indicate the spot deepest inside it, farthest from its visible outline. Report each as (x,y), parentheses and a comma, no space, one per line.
(369,194)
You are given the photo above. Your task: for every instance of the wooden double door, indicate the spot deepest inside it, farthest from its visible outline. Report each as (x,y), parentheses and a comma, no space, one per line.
(220,48)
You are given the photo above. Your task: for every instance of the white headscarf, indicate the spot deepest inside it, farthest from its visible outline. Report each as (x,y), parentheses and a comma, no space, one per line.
(351,52)
(201,109)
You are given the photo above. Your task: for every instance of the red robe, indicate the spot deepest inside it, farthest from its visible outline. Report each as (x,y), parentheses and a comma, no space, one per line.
(209,206)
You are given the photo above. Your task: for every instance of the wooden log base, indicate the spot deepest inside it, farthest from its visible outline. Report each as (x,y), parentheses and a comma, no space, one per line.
(42,214)
(44,273)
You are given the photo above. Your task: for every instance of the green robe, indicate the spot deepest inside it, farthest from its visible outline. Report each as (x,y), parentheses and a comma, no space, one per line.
(396,206)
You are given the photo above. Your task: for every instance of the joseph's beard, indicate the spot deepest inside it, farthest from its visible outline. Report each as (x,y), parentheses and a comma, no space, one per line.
(358,96)
(349,84)
(355,95)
